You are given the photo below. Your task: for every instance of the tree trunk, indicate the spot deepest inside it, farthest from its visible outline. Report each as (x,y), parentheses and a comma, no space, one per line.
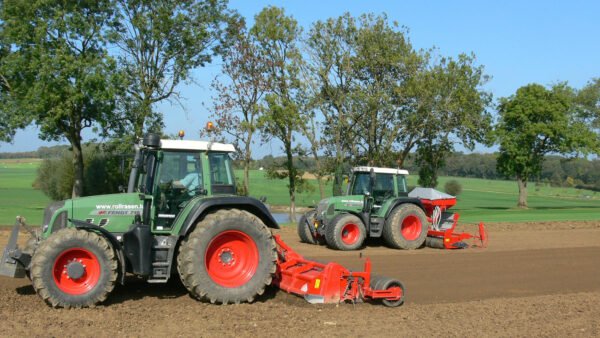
(77,169)
(247,158)
(319,175)
(522,192)
(338,175)
(291,178)
(246,178)
(143,112)
(321,186)
(338,178)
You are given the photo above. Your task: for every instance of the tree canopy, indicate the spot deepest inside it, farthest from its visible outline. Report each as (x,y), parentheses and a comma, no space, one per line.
(534,122)
(160,42)
(56,70)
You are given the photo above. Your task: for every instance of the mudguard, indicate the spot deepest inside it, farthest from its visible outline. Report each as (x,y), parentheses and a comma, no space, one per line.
(111,239)
(249,204)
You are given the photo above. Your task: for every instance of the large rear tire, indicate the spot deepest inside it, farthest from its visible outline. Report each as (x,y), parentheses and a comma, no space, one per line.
(230,257)
(406,227)
(346,232)
(74,268)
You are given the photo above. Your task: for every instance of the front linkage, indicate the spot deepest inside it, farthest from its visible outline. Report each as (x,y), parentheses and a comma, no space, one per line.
(15,262)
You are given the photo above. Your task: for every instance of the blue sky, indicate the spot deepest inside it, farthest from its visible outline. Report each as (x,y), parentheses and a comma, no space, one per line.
(518,42)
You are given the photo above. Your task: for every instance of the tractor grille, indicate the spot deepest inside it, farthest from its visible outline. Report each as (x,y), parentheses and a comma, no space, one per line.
(60,222)
(321,207)
(49,211)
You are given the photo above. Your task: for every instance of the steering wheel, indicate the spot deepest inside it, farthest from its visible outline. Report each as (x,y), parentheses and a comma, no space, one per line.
(167,179)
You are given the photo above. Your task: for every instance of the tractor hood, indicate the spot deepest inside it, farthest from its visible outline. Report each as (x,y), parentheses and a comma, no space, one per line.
(115,212)
(328,206)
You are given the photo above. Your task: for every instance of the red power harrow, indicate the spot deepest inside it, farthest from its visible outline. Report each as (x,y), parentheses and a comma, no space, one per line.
(331,282)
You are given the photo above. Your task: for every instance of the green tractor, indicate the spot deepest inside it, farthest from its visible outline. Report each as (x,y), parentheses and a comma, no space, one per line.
(378,204)
(180,215)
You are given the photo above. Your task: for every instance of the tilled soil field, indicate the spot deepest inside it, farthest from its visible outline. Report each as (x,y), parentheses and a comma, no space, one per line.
(534,279)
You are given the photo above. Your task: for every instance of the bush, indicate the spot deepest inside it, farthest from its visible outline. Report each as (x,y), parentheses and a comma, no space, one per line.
(453,188)
(102,174)
(55,177)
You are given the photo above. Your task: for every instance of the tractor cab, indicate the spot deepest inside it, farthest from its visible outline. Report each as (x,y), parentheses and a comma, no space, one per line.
(170,173)
(380,183)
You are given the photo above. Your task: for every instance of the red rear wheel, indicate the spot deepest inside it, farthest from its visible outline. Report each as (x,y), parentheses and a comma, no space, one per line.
(406,227)
(350,233)
(411,227)
(231,259)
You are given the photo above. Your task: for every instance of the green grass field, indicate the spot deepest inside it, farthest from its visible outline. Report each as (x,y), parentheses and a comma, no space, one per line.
(481,200)
(17,196)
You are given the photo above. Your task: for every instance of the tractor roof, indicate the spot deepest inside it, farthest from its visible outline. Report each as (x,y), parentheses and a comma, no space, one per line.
(378,170)
(196,145)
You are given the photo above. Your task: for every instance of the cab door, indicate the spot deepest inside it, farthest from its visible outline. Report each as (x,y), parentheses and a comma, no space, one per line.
(179,179)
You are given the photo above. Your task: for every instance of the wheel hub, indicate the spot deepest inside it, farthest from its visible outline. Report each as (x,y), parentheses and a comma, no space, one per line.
(226,257)
(75,269)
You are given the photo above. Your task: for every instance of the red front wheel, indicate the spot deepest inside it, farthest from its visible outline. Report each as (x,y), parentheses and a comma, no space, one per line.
(74,268)
(345,232)
(76,271)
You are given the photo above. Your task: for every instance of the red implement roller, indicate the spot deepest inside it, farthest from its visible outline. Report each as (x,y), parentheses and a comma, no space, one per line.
(331,282)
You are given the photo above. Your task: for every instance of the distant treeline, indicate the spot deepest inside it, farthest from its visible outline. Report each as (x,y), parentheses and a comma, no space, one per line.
(557,171)
(42,152)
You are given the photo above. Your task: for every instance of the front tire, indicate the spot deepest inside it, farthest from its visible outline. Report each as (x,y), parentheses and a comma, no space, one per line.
(229,257)
(346,232)
(306,236)
(406,228)
(74,268)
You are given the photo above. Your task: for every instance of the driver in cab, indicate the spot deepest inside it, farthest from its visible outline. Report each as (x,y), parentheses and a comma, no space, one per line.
(190,182)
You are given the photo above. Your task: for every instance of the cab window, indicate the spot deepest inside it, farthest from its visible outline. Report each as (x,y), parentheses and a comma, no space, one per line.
(221,173)
(402,187)
(361,184)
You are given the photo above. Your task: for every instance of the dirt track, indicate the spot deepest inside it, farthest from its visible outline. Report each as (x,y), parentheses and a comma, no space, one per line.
(538,279)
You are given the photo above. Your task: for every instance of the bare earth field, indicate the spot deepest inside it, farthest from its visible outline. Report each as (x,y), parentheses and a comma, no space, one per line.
(534,279)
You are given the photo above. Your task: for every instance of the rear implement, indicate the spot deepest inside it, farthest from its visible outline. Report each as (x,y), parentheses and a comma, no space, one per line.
(331,282)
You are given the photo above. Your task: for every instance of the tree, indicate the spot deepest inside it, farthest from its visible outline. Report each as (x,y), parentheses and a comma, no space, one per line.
(588,105)
(384,63)
(239,101)
(57,72)
(451,109)
(277,36)
(534,122)
(160,42)
(330,48)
